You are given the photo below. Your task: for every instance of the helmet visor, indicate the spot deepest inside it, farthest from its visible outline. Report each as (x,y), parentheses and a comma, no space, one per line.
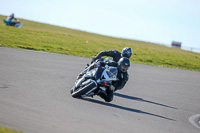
(124,68)
(128,55)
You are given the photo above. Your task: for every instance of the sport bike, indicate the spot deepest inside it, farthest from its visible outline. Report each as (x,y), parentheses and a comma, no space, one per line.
(96,80)
(13,23)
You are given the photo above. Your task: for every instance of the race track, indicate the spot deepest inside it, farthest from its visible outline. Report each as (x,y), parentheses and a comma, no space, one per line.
(35,98)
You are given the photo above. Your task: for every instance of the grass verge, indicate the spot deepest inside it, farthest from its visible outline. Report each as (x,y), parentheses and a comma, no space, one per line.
(6,130)
(55,39)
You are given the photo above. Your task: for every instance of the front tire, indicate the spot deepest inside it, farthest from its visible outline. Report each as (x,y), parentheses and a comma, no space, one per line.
(71,90)
(18,25)
(82,90)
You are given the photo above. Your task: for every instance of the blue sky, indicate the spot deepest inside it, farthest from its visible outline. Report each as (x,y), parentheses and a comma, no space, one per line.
(157,21)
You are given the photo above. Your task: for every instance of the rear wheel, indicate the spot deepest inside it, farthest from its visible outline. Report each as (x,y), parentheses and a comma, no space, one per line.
(82,90)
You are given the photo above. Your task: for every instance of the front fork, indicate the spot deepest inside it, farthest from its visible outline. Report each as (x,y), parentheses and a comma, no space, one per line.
(80,83)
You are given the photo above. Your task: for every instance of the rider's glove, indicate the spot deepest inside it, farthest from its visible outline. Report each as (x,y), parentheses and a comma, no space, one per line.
(96,65)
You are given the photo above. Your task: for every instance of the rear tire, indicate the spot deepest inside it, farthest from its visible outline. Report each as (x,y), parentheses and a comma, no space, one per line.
(83,90)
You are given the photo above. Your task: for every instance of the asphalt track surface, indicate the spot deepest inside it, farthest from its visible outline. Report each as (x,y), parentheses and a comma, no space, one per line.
(35,98)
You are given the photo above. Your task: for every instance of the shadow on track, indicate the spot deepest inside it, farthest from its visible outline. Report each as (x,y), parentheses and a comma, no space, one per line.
(125,108)
(5,86)
(142,100)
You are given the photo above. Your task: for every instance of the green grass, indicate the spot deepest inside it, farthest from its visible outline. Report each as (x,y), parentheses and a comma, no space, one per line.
(49,38)
(6,130)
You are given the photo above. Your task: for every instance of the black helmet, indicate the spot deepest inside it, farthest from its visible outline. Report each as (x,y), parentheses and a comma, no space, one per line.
(126,52)
(124,64)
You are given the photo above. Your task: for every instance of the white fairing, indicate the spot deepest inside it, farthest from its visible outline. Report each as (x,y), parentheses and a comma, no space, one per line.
(108,75)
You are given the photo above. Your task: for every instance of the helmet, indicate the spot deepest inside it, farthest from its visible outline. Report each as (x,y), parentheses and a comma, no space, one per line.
(12,15)
(126,52)
(124,64)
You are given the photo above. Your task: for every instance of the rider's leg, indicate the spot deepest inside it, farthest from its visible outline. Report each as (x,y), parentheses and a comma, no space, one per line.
(108,96)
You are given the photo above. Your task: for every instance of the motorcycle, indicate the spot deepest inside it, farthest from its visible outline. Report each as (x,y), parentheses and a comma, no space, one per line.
(13,23)
(96,80)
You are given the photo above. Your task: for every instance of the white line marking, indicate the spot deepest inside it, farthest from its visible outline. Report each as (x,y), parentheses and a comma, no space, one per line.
(194,120)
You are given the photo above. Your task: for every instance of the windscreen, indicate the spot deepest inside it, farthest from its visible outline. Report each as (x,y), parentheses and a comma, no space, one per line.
(111,71)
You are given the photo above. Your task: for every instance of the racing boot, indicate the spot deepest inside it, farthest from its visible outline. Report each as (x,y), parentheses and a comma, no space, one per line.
(108,95)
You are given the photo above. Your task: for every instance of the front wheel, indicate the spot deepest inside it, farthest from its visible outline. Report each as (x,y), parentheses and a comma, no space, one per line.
(71,90)
(19,25)
(82,90)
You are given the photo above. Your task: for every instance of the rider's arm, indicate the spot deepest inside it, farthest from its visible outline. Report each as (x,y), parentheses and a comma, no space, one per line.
(112,63)
(110,53)
(121,83)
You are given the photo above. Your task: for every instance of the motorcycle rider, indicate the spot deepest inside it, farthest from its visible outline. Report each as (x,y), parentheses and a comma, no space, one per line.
(123,65)
(116,55)
(9,20)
